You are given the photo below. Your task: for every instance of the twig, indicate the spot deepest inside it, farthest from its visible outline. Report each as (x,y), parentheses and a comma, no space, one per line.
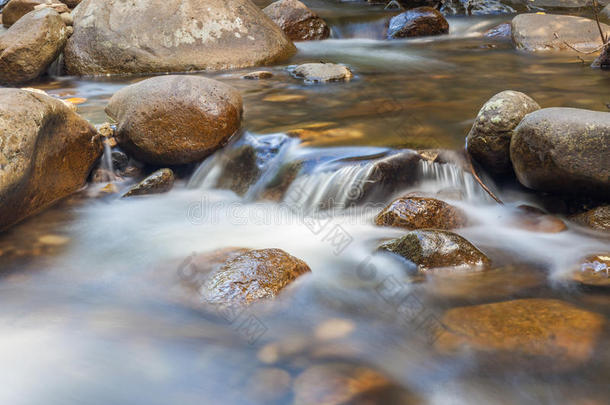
(478,179)
(578,50)
(599,26)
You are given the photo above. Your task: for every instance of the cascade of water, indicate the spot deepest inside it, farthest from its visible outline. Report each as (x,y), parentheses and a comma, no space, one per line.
(450,176)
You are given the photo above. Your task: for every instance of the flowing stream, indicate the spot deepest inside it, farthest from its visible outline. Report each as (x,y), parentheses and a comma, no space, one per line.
(91,305)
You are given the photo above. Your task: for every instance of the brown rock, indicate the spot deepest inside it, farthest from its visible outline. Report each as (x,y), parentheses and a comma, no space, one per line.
(258,75)
(434,249)
(534,219)
(345,383)
(195,270)
(46,153)
(71,3)
(171,120)
(146,36)
(29,47)
(159,182)
(297,21)
(252,276)
(488,142)
(541,334)
(594,271)
(15,9)
(418,22)
(421,212)
(597,218)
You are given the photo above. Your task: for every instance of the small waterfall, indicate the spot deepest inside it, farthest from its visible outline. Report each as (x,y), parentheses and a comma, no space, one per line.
(450,176)
(326,189)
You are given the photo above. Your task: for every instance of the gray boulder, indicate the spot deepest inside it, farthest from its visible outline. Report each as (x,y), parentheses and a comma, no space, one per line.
(563,150)
(145,36)
(489,139)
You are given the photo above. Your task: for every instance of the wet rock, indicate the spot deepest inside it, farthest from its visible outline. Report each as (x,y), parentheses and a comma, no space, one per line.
(597,218)
(531,334)
(259,75)
(195,270)
(418,22)
(493,284)
(346,383)
(546,32)
(488,142)
(563,150)
(252,276)
(593,271)
(172,120)
(421,212)
(279,184)
(534,219)
(434,249)
(29,47)
(297,21)
(46,154)
(15,9)
(603,60)
(502,31)
(146,36)
(159,182)
(322,72)
(244,164)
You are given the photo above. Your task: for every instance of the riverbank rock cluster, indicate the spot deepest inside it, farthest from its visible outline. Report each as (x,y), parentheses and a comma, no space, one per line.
(558,150)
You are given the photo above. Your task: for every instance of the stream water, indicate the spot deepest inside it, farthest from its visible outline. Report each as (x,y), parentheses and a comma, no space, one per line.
(91,305)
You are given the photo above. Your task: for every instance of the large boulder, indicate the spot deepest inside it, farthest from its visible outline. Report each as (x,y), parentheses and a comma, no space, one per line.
(488,142)
(434,249)
(29,47)
(297,21)
(563,150)
(145,36)
(533,334)
(546,32)
(46,153)
(252,276)
(421,212)
(418,22)
(171,120)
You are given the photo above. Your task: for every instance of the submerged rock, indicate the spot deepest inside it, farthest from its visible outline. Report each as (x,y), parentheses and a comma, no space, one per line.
(432,249)
(297,21)
(593,271)
(46,153)
(346,383)
(534,219)
(172,120)
(29,47)
(421,212)
(488,142)
(159,182)
(563,150)
(545,32)
(502,31)
(323,72)
(418,22)
(252,276)
(532,334)
(258,75)
(597,218)
(146,36)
